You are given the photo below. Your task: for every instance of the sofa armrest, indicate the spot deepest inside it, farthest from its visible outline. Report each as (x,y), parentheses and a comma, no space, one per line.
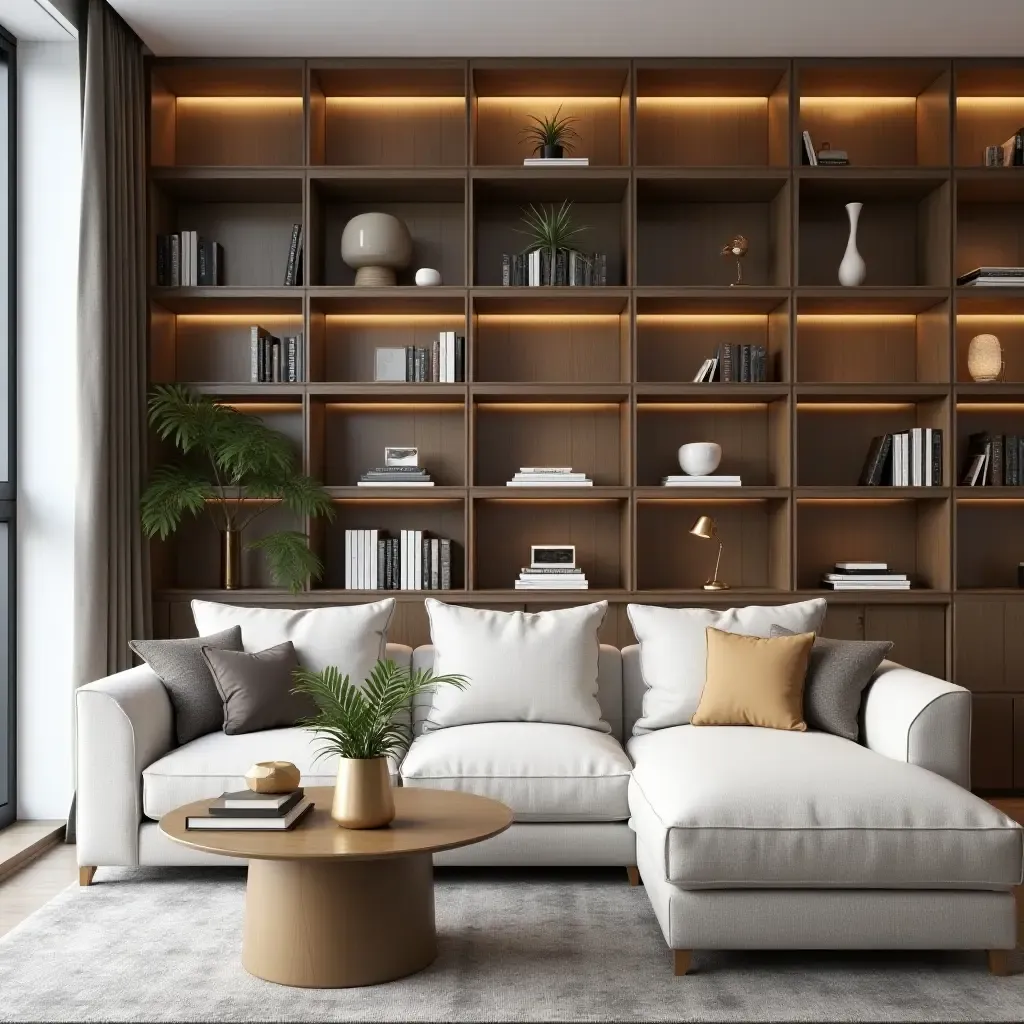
(124,723)
(913,717)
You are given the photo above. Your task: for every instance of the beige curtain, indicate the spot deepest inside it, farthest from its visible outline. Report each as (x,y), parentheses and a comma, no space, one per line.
(112,595)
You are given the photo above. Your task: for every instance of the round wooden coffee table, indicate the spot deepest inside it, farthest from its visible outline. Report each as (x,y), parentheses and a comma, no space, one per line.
(328,907)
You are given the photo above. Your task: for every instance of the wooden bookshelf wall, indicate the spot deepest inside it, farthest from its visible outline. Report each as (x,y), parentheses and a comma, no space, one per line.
(684,154)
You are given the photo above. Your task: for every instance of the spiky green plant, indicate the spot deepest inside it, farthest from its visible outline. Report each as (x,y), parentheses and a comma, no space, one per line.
(551,131)
(550,229)
(235,468)
(363,722)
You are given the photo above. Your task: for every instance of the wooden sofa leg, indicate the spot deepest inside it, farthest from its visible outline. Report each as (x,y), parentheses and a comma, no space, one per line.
(682,961)
(85,875)
(999,962)
(633,874)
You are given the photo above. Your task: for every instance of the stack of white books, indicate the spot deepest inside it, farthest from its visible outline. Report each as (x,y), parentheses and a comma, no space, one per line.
(864,576)
(712,480)
(557,161)
(549,476)
(549,578)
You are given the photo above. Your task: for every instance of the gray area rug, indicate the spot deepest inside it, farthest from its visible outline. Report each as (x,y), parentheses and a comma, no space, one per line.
(531,946)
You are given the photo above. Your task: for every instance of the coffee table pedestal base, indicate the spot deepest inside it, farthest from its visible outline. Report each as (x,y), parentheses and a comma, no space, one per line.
(339,923)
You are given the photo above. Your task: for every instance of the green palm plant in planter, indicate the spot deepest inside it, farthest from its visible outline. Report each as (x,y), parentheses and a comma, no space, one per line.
(363,726)
(235,468)
(552,230)
(551,136)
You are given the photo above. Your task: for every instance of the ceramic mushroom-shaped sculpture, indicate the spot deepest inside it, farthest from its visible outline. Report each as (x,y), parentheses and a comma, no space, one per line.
(375,245)
(272,777)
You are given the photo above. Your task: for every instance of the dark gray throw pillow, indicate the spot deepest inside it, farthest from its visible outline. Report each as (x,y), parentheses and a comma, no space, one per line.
(257,688)
(837,673)
(183,671)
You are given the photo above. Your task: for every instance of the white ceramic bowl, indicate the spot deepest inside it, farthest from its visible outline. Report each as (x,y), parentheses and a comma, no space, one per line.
(426,277)
(700,458)
(375,245)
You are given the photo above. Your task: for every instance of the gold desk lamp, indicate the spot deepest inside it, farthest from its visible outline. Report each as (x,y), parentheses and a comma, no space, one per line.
(705,529)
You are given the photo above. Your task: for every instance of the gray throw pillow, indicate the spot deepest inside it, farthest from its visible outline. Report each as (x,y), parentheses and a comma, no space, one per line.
(257,688)
(837,673)
(180,667)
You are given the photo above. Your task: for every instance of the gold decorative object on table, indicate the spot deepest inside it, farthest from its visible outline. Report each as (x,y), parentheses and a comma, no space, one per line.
(706,529)
(272,777)
(737,249)
(985,358)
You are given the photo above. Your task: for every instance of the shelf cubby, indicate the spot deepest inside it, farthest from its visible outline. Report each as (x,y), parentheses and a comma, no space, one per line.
(753,433)
(755,534)
(507,93)
(683,221)
(989,108)
(590,436)
(366,114)
(1007,325)
(243,115)
(705,113)
(433,207)
(348,437)
(833,436)
(909,534)
(990,413)
(882,113)
(504,529)
(903,232)
(871,348)
(990,207)
(989,541)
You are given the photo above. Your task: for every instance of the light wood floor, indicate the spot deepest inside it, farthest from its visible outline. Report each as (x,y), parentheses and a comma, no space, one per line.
(28,889)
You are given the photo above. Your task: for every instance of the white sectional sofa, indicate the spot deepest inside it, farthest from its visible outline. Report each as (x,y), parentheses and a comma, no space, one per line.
(743,837)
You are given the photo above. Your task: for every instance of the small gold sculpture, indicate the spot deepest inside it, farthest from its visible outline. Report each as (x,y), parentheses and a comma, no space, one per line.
(272,777)
(737,249)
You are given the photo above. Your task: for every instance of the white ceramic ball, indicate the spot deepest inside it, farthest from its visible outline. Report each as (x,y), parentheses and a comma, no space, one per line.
(700,458)
(426,277)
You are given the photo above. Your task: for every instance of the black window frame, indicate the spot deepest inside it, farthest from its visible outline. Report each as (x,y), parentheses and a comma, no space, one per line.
(8,742)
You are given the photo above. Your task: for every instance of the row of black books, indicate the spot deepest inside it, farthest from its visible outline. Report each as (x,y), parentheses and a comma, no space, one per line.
(411,561)
(1008,154)
(993,460)
(274,360)
(735,364)
(909,458)
(570,269)
(245,811)
(443,363)
(864,576)
(293,268)
(185,260)
(992,277)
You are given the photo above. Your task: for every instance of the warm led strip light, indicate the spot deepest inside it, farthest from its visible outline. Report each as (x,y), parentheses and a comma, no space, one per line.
(226,319)
(701,406)
(551,101)
(855,319)
(384,319)
(541,406)
(395,101)
(985,318)
(265,407)
(702,101)
(859,102)
(855,406)
(541,319)
(258,103)
(393,406)
(1004,102)
(702,318)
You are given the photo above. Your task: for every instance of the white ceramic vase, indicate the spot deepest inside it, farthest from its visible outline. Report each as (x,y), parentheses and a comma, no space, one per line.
(852,269)
(700,458)
(375,245)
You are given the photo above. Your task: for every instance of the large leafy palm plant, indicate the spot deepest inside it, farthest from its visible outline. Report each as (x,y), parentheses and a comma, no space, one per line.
(235,468)
(360,722)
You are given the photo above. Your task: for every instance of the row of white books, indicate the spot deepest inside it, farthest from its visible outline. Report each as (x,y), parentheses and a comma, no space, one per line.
(411,561)
(549,476)
(712,480)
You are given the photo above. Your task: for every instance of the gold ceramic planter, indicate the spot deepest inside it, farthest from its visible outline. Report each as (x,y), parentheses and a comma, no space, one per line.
(362,793)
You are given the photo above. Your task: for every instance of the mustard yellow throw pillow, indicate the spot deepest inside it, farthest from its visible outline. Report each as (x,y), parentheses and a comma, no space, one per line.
(753,680)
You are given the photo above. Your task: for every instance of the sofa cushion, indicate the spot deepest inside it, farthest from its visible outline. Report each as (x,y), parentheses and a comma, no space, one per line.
(543,772)
(737,806)
(208,766)
(350,637)
(673,650)
(521,666)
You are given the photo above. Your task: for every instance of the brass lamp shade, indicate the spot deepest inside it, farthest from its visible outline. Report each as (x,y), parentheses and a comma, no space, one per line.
(706,529)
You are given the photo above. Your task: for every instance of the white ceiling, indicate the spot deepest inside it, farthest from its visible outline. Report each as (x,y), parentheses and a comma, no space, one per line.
(565,28)
(35,21)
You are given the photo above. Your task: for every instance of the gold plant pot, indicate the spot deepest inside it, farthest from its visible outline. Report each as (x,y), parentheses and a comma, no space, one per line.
(362,794)
(230,559)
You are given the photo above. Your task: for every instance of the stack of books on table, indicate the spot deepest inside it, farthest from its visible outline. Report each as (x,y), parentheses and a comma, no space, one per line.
(712,480)
(552,578)
(245,811)
(549,476)
(396,476)
(864,576)
(992,277)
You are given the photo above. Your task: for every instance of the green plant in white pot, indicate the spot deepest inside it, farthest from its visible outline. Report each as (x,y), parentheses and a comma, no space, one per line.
(363,726)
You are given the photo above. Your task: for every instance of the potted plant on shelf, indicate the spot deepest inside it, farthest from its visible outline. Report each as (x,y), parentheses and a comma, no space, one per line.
(552,137)
(363,726)
(234,468)
(551,231)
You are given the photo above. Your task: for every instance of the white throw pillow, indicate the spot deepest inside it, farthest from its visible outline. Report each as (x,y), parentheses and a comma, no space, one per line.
(350,637)
(522,667)
(673,650)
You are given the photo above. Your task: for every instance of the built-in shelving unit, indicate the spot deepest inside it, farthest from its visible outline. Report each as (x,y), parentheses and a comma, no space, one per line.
(684,155)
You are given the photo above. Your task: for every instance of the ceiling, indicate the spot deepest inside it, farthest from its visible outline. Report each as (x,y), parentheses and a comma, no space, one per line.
(565,28)
(37,20)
